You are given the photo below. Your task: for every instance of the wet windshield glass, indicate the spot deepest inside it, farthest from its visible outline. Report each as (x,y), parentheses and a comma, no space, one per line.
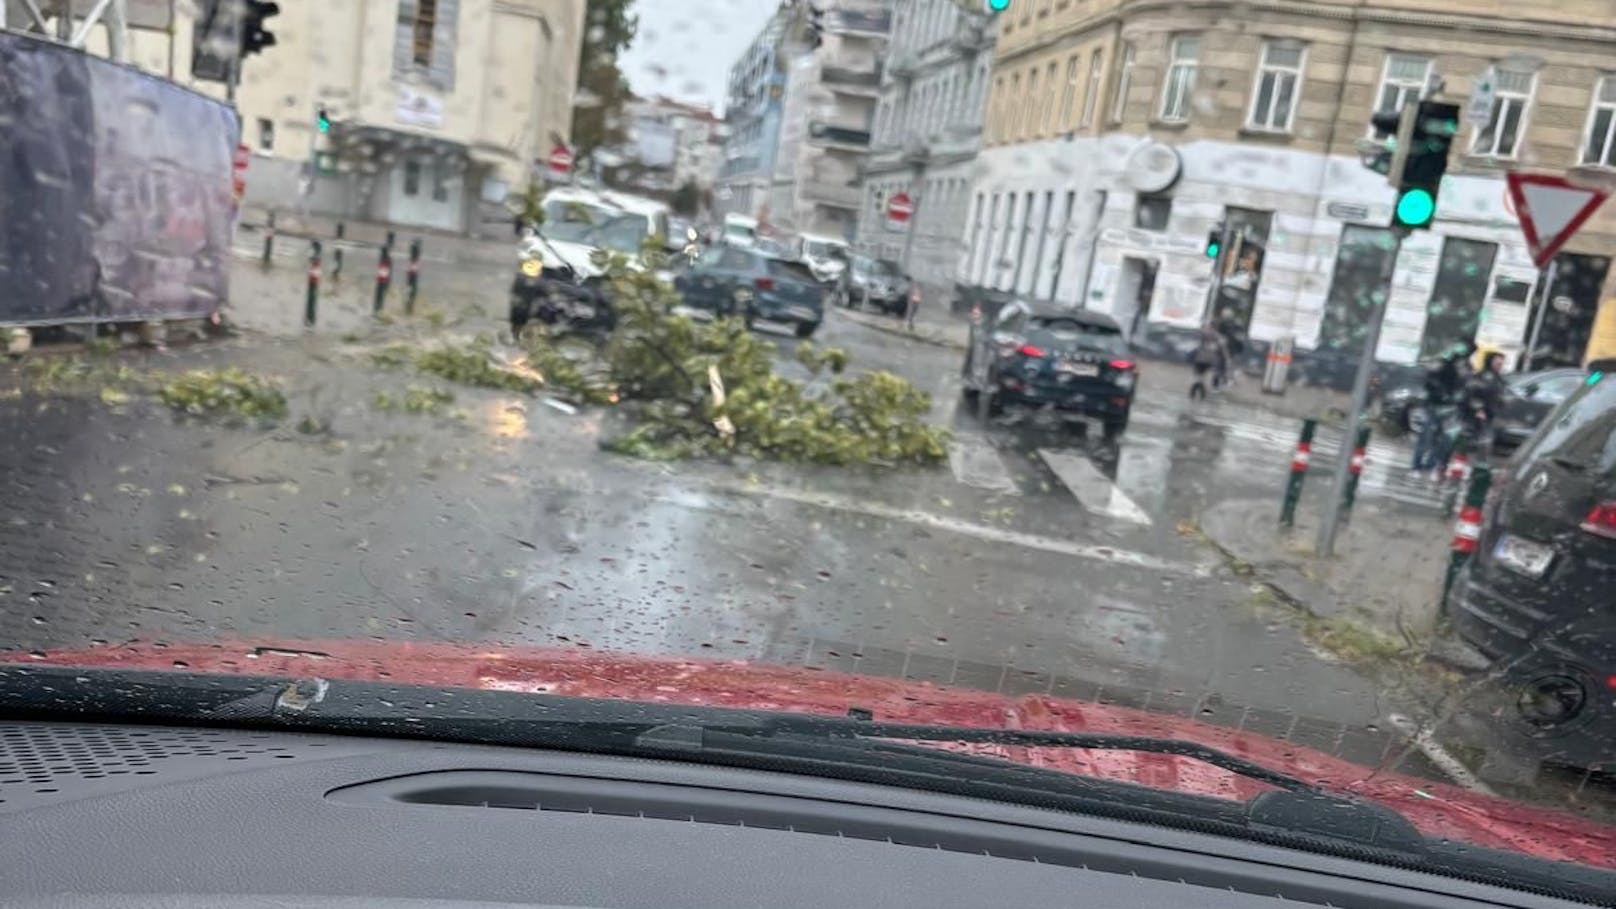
(1070,365)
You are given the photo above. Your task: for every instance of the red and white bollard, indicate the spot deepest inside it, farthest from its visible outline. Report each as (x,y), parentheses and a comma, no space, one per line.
(1467,530)
(1458,467)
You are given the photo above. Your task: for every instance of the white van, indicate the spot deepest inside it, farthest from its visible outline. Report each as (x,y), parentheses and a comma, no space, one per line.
(740,230)
(825,256)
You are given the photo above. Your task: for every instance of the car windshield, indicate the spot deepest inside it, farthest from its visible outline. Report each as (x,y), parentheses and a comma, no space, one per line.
(1061,447)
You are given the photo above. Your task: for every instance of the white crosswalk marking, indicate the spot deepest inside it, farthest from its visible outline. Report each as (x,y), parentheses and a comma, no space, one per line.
(975,463)
(1093,490)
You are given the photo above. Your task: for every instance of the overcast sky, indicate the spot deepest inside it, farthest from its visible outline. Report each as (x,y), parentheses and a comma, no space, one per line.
(684,48)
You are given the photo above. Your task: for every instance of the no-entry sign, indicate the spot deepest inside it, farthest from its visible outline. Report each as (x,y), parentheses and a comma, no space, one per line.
(899,209)
(560,160)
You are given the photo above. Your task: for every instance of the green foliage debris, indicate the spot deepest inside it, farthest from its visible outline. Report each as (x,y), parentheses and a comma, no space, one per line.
(228,391)
(415,399)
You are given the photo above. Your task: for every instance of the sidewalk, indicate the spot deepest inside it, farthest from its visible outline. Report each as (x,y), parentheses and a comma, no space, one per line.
(932,326)
(1386,576)
(437,245)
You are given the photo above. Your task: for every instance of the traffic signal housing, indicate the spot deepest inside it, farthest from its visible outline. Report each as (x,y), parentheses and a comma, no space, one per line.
(1214,242)
(254,37)
(1415,158)
(322,120)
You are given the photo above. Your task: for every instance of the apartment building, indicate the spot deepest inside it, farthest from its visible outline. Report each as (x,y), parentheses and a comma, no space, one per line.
(752,115)
(438,108)
(928,129)
(669,143)
(1119,132)
(831,89)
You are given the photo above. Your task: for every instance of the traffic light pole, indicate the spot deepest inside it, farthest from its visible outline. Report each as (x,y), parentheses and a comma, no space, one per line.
(1342,468)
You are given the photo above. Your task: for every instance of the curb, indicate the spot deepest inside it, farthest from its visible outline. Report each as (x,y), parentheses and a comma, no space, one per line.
(896,330)
(1442,650)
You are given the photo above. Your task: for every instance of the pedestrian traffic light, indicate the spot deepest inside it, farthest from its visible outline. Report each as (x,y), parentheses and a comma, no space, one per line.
(1214,241)
(323,120)
(254,37)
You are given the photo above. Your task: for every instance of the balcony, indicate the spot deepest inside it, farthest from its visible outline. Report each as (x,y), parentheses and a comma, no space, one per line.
(830,192)
(864,82)
(870,22)
(821,133)
(971,38)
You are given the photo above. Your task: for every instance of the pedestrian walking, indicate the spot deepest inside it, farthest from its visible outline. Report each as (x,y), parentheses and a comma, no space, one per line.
(913,308)
(1211,357)
(1483,400)
(1444,385)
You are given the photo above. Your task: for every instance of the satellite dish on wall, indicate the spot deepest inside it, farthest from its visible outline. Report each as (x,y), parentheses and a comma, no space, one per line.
(1152,167)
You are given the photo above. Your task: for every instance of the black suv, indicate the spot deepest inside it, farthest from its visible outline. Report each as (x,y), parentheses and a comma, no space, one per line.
(1539,595)
(1042,356)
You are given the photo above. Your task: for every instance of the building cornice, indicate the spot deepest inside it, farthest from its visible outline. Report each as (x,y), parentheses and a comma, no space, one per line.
(1253,10)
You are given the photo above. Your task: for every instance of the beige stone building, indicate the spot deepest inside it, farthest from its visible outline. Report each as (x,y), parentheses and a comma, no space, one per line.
(1119,132)
(439,108)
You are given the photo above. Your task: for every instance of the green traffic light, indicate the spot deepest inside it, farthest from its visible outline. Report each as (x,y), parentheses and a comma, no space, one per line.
(1415,208)
(1212,250)
(323,121)
(998,6)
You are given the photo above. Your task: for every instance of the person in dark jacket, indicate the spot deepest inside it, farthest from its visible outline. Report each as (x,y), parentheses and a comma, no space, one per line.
(1444,384)
(1483,400)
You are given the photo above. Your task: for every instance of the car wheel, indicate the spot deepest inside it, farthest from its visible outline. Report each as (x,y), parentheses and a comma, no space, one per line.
(1115,426)
(807,329)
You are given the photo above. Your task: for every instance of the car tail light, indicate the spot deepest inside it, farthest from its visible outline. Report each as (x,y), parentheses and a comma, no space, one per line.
(764,284)
(1122,364)
(1027,350)
(1601,520)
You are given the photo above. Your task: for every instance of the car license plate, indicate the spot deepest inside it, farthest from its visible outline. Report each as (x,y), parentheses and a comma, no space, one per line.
(1523,556)
(1078,369)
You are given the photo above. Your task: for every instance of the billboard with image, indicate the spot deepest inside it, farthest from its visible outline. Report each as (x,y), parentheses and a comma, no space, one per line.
(115,191)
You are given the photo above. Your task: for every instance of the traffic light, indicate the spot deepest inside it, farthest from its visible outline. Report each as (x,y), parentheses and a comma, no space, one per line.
(1214,242)
(1415,157)
(254,37)
(1425,160)
(998,6)
(816,26)
(322,120)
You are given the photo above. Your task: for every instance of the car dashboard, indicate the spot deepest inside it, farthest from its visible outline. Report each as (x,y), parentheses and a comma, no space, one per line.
(111,814)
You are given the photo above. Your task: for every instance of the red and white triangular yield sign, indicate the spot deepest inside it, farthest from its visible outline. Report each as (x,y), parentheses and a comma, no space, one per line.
(1551,209)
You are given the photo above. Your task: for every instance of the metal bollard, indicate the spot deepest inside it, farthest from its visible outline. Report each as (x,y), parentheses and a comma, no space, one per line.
(390,239)
(269,239)
(413,276)
(336,252)
(1349,493)
(1293,486)
(1467,530)
(384,277)
(313,302)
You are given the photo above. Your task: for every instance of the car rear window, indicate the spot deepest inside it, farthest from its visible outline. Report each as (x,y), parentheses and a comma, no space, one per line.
(1071,334)
(1582,430)
(794,271)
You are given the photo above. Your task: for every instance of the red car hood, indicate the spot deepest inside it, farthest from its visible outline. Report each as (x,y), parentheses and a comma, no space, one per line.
(1437,809)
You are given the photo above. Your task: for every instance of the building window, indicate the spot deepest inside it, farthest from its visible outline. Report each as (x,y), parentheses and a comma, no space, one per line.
(1404,80)
(1091,92)
(1501,137)
(1279,80)
(412,178)
(1048,101)
(266,134)
(1069,93)
(1601,145)
(426,19)
(1029,106)
(1184,55)
(1119,97)
(1152,212)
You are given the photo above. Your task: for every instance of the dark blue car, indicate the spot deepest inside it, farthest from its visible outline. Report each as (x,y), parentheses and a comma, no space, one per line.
(728,281)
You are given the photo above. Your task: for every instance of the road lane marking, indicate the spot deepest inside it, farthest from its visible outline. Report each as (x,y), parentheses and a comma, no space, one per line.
(1091,488)
(1437,755)
(985,532)
(975,463)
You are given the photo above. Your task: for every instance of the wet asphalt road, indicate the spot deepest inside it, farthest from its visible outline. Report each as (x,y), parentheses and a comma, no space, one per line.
(1037,559)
